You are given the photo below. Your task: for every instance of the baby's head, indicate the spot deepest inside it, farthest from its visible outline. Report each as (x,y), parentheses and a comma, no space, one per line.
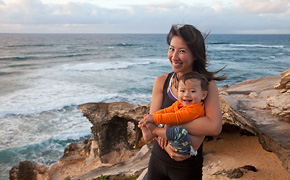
(192,88)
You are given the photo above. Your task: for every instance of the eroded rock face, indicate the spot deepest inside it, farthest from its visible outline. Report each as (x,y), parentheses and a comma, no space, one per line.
(284,83)
(112,123)
(279,103)
(245,105)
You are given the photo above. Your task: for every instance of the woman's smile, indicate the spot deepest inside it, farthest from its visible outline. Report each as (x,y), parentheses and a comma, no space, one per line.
(180,56)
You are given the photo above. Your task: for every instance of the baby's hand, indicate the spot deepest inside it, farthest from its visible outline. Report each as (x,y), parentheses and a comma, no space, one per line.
(142,122)
(149,118)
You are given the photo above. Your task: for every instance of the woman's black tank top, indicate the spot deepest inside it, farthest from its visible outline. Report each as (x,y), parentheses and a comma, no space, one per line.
(157,151)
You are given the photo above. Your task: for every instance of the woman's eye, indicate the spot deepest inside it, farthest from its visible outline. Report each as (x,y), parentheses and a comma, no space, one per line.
(171,49)
(193,91)
(183,51)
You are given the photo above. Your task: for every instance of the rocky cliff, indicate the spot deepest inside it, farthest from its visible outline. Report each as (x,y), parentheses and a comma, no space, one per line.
(262,109)
(116,149)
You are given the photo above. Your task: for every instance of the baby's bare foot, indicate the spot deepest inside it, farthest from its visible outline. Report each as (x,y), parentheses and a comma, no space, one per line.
(147,135)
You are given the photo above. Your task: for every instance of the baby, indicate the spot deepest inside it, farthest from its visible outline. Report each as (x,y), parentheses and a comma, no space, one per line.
(192,90)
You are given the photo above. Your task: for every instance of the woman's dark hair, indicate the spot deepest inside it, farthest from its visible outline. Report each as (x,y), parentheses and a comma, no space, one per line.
(195,42)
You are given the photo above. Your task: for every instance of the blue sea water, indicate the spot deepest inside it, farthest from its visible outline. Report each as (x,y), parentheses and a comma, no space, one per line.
(44,77)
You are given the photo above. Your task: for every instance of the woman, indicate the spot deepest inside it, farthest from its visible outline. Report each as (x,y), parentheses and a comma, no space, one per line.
(186,53)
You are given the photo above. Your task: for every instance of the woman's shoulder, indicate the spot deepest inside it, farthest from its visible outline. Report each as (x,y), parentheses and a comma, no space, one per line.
(161,79)
(159,83)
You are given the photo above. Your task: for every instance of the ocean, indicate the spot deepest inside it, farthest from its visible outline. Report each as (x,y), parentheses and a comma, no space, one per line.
(44,77)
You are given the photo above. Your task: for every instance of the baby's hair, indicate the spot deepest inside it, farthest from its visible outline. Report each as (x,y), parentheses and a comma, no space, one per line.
(195,75)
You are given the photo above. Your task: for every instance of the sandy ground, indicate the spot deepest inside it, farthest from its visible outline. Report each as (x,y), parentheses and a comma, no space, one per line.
(231,150)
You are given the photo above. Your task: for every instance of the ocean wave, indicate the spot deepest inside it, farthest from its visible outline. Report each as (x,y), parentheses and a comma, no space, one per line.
(218,43)
(30,45)
(19,65)
(19,130)
(257,45)
(38,56)
(49,95)
(71,55)
(267,57)
(17,58)
(126,44)
(102,66)
(5,73)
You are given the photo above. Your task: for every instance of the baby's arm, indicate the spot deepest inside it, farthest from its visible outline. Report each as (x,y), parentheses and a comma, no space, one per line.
(181,116)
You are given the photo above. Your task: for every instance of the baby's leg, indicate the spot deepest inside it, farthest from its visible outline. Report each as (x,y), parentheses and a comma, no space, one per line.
(179,139)
(156,130)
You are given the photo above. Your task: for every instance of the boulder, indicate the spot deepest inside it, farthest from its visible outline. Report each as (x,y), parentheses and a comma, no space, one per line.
(236,172)
(27,170)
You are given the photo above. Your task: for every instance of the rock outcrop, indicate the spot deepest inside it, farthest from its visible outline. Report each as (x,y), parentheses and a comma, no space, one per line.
(132,167)
(113,151)
(115,126)
(279,103)
(27,170)
(245,105)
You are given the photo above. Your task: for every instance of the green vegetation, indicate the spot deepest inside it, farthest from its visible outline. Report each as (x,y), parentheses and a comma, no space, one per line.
(132,177)
(102,177)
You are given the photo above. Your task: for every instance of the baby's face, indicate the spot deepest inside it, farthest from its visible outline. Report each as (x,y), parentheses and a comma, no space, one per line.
(190,92)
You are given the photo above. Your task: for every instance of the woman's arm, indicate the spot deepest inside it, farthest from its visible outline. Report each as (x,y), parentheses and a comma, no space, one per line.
(157,94)
(211,123)
(156,102)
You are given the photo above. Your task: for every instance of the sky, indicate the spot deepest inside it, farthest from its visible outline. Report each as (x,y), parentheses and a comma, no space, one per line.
(144,16)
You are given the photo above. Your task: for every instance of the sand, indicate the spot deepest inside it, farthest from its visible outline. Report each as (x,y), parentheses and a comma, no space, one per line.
(231,150)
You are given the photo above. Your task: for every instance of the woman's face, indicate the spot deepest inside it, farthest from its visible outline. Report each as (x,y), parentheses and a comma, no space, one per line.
(180,56)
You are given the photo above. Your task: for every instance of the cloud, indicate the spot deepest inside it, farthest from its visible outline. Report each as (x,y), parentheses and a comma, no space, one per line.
(157,17)
(35,12)
(263,6)
(216,6)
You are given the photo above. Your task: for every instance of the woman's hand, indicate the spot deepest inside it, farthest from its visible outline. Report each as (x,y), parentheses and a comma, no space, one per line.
(162,142)
(172,153)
